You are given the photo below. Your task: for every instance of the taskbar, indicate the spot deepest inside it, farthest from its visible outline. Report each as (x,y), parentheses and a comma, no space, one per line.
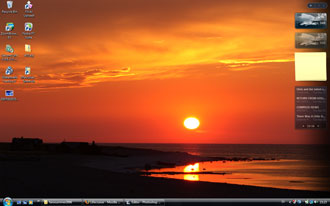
(167,201)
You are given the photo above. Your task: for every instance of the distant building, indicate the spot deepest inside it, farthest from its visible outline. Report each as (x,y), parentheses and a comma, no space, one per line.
(27,144)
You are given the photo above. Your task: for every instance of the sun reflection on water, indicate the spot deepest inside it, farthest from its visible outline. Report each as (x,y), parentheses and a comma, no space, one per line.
(191,168)
(268,173)
(191,177)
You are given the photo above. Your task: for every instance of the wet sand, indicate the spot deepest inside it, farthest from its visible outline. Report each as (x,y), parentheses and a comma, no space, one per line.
(30,174)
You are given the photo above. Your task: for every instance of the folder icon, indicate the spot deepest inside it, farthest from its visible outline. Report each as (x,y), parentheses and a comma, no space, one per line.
(45,202)
(27,48)
(311,66)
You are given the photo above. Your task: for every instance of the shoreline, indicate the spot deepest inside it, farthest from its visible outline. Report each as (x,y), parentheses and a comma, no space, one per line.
(140,159)
(97,183)
(116,172)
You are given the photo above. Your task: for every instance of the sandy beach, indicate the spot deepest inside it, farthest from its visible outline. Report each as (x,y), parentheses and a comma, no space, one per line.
(114,173)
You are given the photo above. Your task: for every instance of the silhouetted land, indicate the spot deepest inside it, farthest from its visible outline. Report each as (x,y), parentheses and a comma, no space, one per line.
(110,172)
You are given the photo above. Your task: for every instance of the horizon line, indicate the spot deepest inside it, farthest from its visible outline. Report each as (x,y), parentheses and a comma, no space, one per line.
(188,143)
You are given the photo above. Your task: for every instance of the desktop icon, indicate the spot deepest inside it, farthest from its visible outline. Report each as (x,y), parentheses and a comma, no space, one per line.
(9,70)
(9,26)
(9,93)
(10,4)
(28,5)
(28,26)
(27,70)
(9,48)
(27,48)
(7,201)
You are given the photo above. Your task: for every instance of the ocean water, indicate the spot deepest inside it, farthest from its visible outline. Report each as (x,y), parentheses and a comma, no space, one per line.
(302,167)
(289,152)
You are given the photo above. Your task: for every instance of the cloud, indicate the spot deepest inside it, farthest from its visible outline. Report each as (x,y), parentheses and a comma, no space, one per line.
(79,79)
(240,65)
(91,77)
(159,39)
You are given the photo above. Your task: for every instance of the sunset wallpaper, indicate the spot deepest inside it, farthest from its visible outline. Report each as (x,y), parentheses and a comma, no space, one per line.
(132,71)
(184,94)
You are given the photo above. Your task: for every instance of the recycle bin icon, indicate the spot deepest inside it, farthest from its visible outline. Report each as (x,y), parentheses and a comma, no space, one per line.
(10,4)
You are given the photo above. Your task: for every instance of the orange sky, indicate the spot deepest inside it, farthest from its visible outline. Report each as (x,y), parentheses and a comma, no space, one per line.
(131,71)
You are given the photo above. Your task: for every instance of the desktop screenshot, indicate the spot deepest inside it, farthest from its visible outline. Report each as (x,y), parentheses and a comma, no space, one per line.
(164,102)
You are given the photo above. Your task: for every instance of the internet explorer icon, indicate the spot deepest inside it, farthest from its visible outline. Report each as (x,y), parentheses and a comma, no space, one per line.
(9,26)
(27,70)
(9,70)
(28,26)
(28,5)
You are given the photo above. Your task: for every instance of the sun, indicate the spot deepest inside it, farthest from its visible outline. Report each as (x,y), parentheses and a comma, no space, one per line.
(191,123)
